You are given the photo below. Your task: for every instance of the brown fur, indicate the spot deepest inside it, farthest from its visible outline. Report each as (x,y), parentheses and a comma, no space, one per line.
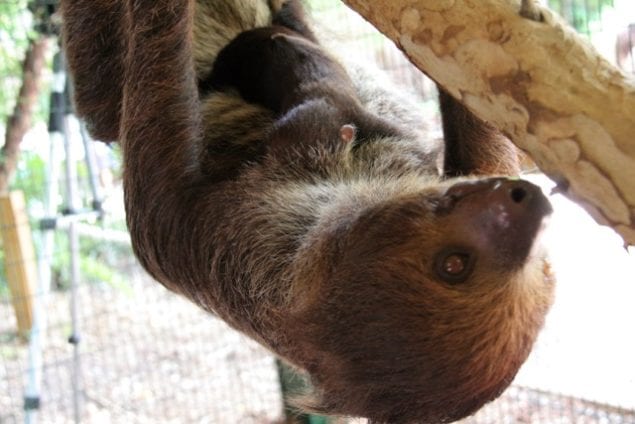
(103,22)
(282,67)
(465,154)
(326,254)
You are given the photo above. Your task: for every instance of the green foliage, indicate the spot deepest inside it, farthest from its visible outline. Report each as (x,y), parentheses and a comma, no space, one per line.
(15,30)
(99,260)
(31,178)
(580,13)
(4,289)
(97,263)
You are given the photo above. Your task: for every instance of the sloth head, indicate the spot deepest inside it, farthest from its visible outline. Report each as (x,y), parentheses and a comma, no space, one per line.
(422,310)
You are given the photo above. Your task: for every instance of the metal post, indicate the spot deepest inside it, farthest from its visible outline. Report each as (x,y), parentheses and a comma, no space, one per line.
(60,135)
(72,207)
(43,11)
(32,391)
(91,165)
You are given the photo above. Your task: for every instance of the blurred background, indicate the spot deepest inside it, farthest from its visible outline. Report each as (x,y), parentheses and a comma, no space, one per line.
(86,336)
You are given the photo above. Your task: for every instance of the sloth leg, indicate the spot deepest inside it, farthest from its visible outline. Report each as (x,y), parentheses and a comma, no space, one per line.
(472,146)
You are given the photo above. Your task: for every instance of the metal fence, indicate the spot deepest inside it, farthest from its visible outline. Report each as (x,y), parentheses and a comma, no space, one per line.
(86,336)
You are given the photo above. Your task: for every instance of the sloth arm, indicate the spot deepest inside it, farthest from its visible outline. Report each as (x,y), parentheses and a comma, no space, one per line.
(155,115)
(167,201)
(94,37)
(472,146)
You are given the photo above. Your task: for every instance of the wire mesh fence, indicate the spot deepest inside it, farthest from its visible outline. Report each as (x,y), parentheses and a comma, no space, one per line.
(145,356)
(86,336)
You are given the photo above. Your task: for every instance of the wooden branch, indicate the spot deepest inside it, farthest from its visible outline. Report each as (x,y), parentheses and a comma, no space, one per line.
(537,81)
(20,122)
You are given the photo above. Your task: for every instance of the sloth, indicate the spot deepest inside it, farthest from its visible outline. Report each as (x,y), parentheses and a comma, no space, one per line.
(315,220)
(281,69)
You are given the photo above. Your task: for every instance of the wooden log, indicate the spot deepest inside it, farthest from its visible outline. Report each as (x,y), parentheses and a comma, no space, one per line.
(539,82)
(19,258)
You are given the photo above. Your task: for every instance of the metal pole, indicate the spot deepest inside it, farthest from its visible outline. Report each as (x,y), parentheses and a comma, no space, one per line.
(91,165)
(60,115)
(72,207)
(32,393)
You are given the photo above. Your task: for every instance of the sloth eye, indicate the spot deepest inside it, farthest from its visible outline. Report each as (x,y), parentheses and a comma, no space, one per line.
(454,265)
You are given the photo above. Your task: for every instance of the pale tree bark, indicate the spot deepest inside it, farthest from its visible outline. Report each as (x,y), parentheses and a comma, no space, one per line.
(20,121)
(538,81)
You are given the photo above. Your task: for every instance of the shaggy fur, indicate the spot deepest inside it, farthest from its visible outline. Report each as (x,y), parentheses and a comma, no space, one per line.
(341,259)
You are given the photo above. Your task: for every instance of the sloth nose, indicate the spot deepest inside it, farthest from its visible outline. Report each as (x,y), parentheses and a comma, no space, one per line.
(519,196)
(516,192)
(513,200)
(515,195)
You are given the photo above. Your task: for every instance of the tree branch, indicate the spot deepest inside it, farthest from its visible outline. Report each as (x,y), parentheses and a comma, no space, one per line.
(20,122)
(537,81)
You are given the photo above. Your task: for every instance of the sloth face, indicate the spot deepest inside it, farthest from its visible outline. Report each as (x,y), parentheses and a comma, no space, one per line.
(425,308)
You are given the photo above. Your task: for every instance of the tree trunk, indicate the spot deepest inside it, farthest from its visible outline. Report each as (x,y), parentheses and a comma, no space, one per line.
(538,82)
(20,122)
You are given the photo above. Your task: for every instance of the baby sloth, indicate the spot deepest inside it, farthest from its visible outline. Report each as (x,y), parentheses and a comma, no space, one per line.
(282,67)
(407,296)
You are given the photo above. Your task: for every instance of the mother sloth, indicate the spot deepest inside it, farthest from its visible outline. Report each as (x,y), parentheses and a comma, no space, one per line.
(407,295)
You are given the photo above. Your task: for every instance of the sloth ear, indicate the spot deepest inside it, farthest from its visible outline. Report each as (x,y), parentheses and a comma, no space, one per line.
(347,133)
